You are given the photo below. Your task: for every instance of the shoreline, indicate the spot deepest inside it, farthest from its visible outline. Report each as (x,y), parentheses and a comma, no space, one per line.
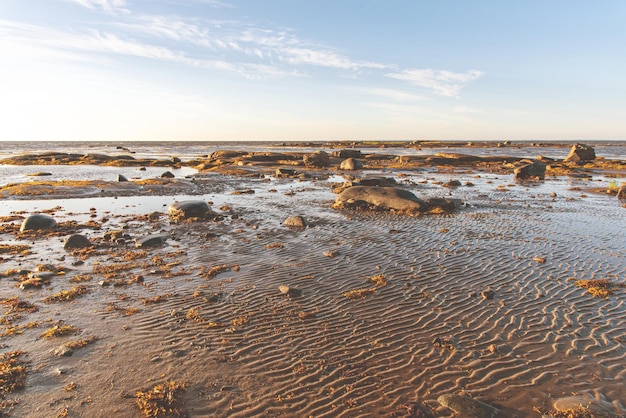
(358,313)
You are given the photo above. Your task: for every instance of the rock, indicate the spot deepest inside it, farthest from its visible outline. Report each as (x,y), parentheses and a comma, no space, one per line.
(378,181)
(39,174)
(487,294)
(331,253)
(318,159)
(347,153)
(121,178)
(295,222)
(63,351)
(153,240)
(285,172)
(167,175)
(597,408)
(533,170)
(467,406)
(289,291)
(189,209)
(351,164)
(580,153)
(38,221)
(452,183)
(77,241)
(381,197)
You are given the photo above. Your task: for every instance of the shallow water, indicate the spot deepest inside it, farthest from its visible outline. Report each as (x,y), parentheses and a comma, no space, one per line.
(249,350)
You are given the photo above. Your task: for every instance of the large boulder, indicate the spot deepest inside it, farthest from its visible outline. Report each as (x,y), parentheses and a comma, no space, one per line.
(351,164)
(38,221)
(389,198)
(580,153)
(318,159)
(189,209)
(534,170)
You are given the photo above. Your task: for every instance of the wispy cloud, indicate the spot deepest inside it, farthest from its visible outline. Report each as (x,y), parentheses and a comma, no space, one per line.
(442,82)
(247,49)
(109,6)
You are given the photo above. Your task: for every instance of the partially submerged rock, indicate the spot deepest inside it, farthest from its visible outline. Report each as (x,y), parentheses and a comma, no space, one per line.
(38,221)
(580,153)
(189,209)
(77,241)
(390,198)
(467,406)
(153,240)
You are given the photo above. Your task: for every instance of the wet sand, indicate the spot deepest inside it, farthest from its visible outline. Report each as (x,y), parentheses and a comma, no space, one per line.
(383,309)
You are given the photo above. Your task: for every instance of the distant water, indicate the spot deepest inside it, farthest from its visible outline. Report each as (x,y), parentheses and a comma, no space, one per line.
(197,150)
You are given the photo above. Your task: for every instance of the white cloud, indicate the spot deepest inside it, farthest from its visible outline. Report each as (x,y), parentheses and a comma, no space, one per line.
(442,82)
(109,6)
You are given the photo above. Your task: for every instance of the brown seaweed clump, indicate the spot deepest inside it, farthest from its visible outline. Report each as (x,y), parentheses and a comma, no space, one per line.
(12,374)
(600,288)
(60,331)
(164,400)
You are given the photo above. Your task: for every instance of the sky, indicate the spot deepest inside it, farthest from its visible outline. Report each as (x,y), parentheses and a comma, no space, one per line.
(312,70)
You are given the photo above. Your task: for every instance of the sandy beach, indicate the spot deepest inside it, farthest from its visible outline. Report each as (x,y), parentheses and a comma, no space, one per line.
(362,312)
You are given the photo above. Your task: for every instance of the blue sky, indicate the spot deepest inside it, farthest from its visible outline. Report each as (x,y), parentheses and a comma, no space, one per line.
(312,70)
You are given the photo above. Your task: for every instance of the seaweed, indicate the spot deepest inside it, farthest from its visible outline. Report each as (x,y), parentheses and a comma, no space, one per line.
(163,400)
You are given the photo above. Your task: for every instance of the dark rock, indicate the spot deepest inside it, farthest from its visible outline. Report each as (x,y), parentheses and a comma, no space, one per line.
(175,160)
(378,181)
(580,153)
(295,222)
(77,241)
(38,221)
(190,209)
(351,164)
(167,175)
(153,240)
(318,159)
(347,153)
(443,203)
(121,178)
(534,170)
(381,197)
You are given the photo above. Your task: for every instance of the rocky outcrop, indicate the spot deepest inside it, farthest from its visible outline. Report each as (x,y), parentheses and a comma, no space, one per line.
(347,153)
(318,159)
(391,199)
(580,153)
(534,170)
